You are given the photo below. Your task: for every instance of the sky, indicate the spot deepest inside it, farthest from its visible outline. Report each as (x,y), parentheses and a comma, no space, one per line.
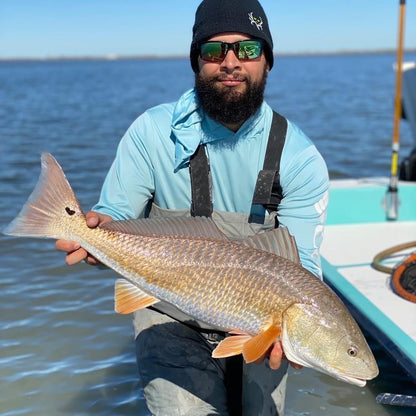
(74,28)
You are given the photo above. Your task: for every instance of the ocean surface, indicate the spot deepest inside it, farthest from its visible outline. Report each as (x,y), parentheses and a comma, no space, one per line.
(63,349)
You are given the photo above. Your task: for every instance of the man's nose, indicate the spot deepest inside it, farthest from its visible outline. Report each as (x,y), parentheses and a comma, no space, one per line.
(231,62)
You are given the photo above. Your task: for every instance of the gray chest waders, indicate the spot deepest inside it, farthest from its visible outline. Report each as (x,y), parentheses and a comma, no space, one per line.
(268,193)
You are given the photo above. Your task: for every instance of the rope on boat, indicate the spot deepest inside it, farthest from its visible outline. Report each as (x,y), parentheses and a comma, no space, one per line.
(403,275)
(389,252)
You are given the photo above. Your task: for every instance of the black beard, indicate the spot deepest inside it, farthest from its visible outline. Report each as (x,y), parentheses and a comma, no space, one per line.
(227,106)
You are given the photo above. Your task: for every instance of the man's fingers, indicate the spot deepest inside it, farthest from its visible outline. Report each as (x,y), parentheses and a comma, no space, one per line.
(76,254)
(276,355)
(92,261)
(67,246)
(275,359)
(92,219)
(296,366)
(76,257)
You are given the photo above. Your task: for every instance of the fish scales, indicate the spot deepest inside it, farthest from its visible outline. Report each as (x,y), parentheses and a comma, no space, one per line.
(190,264)
(220,282)
(215,281)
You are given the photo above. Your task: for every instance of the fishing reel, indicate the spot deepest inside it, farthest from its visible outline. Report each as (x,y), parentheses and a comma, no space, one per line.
(403,275)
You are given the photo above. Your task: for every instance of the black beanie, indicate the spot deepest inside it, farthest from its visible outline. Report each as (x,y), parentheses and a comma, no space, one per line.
(219,16)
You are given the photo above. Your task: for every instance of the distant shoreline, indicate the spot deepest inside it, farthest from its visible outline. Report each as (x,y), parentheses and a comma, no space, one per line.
(114,57)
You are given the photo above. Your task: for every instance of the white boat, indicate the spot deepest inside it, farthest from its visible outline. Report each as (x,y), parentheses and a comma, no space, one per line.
(356,231)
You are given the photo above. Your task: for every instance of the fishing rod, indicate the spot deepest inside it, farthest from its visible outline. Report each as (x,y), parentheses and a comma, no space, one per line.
(392,206)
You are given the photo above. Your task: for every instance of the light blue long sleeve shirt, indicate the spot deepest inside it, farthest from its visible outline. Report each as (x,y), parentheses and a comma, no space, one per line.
(152,162)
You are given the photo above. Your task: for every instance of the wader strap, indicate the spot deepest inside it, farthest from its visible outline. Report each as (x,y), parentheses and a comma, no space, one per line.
(201,188)
(268,191)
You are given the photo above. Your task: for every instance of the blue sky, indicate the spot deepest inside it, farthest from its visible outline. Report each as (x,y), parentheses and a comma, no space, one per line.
(52,28)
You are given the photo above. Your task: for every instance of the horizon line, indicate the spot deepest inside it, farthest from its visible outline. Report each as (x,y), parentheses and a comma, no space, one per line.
(116,57)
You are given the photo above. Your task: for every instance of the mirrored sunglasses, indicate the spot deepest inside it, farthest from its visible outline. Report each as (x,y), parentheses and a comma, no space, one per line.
(245,50)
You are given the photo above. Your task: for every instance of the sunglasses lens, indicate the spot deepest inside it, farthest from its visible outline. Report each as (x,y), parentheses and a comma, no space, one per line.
(212,51)
(249,49)
(246,50)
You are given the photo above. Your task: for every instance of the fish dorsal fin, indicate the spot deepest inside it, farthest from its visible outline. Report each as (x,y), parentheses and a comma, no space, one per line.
(129,298)
(277,241)
(230,346)
(257,346)
(195,227)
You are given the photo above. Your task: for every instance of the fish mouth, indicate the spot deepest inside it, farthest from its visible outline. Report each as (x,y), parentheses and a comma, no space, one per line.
(360,382)
(350,378)
(354,380)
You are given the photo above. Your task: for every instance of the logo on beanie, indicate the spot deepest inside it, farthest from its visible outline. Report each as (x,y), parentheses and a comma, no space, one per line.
(257,21)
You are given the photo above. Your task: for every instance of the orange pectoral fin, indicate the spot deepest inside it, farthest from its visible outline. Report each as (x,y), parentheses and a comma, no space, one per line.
(257,346)
(230,346)
(129,298)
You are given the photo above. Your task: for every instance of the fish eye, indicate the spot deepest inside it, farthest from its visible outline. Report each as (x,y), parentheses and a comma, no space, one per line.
(352,351)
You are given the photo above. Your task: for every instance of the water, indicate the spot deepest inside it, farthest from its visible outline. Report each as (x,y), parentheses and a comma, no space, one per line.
(63,349)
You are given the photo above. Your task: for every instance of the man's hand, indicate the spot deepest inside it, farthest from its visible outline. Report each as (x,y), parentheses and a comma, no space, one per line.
(275,357)
(76,254)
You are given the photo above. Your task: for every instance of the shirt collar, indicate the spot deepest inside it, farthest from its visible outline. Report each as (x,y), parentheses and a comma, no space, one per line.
(191,127)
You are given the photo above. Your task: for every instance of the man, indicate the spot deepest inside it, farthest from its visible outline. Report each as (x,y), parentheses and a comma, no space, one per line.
(226,118)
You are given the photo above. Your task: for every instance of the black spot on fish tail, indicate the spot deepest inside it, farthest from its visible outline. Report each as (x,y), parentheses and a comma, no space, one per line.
(69,211)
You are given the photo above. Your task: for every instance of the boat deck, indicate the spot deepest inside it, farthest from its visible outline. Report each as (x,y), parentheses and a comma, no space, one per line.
(356,231)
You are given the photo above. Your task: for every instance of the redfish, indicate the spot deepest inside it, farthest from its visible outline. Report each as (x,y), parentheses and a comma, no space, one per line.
(256,290)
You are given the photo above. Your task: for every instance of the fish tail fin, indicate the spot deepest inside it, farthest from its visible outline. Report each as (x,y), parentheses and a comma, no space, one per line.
(50,204)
